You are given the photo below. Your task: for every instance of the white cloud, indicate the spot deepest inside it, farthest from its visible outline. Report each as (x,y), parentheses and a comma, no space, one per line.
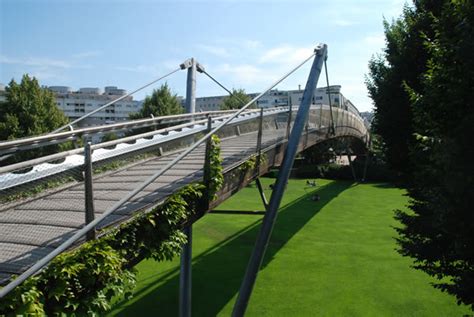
(214,50)
(285,54)
(251,44)
(35,61)
(342,22)
(375,40)
(87,54)
(151,69)
(137,69)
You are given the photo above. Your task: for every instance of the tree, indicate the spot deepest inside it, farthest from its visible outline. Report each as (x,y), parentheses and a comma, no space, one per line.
(237,100)
(28,110)
(391,77)
(427,75)
(439,232)
(161,103)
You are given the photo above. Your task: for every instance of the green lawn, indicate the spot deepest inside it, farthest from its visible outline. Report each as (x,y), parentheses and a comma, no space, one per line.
(334,257)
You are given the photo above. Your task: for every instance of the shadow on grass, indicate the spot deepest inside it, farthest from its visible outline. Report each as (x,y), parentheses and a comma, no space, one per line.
(218,272)
(386,185)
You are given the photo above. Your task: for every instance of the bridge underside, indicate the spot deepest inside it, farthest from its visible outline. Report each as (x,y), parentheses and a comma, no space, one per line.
(33,227)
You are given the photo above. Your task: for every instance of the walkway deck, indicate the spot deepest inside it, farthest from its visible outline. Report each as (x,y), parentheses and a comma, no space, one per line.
(30,229)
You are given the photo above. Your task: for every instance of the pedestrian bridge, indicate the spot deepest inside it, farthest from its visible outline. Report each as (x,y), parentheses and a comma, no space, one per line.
(50,203)
(33,226)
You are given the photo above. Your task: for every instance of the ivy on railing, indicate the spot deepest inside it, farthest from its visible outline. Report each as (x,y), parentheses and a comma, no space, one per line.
(85,280)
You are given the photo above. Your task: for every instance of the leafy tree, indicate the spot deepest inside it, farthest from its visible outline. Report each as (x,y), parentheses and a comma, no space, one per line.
(161,103)
(439,233)
(423,90)
(391,76)
(28,110)
(237,100)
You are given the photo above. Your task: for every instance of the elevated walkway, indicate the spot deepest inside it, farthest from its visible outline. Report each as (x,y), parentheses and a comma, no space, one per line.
(30,228)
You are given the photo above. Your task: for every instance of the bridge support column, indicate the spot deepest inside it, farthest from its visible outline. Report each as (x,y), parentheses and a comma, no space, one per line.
(185,281)
(262,193)
(366,164)
(351,165)
(279,188)
(89,193)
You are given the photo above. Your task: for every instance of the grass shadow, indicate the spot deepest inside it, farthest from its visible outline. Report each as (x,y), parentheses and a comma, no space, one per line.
(218,272)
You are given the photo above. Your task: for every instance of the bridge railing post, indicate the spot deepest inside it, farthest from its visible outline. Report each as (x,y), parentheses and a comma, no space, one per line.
(259,142)
(207,166)
(288,125)
(89,192)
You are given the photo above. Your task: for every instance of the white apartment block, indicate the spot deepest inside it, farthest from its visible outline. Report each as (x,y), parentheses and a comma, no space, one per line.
(75,104)
(275,98)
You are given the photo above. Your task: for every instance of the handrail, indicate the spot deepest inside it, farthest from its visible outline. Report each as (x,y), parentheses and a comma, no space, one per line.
(61,155)
(15,145)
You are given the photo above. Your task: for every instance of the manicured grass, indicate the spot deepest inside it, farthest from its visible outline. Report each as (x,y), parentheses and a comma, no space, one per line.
(333,257)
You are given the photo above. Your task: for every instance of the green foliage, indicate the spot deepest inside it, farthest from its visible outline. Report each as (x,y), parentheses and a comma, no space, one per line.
(85,280)
(25,300)
(429,63)
(237,100)
(216,178)
(161,103)
(157,234)
(37,189)
(439,234)
(29,110)
(116,164)
(111,136)
(249,164)
(394,78)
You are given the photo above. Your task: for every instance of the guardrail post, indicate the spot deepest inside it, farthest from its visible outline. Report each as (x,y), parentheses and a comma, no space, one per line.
(288,125)
(259,142)
(207,167)
(89,193)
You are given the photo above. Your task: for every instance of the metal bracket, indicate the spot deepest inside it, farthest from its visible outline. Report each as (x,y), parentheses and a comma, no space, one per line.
(189,63)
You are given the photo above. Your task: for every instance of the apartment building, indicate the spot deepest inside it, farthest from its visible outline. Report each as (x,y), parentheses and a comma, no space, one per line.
(275,98)
(75,104)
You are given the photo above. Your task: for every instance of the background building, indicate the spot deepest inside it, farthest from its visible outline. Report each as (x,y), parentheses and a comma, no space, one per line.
(276,98)
(75,104)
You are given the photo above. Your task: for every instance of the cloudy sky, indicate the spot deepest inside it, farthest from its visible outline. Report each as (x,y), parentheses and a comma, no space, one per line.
(244,44)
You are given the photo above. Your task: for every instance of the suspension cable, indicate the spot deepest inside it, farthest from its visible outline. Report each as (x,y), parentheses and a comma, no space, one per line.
(223,87)
(333,131)
(114,101)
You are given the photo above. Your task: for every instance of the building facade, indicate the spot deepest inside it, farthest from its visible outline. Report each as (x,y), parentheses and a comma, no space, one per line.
(276,98)
(76,104)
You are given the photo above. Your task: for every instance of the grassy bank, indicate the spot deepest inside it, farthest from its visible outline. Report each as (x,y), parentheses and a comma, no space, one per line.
(333,257)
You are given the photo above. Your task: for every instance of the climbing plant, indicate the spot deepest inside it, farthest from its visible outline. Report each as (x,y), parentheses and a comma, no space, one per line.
(85,280)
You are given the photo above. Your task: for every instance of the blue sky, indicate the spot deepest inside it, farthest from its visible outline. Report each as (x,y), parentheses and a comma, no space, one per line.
(244,44)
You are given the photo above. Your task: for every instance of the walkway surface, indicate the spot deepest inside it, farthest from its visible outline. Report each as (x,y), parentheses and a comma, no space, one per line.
(31,228)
